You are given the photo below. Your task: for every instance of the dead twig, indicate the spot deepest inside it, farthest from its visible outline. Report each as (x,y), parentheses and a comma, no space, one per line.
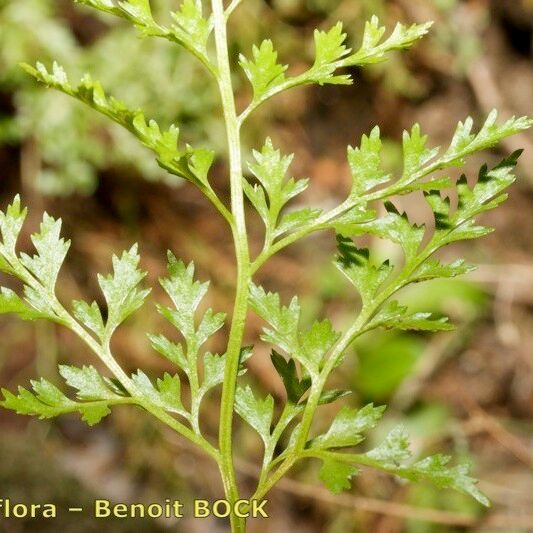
(481,421)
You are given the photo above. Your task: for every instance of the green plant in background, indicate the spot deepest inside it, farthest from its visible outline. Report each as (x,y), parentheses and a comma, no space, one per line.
(71,145)
(303,357)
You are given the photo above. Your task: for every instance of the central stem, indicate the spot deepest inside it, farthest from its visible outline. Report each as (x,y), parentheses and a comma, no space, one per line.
(243,263)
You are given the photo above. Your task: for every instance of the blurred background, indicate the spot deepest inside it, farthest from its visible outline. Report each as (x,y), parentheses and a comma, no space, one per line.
(469,392)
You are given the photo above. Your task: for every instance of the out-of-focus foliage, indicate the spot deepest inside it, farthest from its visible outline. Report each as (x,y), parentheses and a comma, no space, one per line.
(72,144)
